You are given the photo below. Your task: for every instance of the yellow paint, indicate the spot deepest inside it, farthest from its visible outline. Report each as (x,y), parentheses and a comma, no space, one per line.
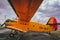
(31,26)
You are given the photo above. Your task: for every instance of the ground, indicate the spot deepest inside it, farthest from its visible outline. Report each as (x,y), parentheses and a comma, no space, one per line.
(5,34)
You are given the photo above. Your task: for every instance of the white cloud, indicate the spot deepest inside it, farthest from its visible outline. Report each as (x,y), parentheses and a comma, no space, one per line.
(39,17)
(2,19)
(6,9)
(51,8)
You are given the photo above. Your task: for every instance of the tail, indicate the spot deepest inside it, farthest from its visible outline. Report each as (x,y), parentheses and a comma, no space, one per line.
(53,21)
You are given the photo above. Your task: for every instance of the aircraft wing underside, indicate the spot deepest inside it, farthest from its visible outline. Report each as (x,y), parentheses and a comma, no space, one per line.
(25,9)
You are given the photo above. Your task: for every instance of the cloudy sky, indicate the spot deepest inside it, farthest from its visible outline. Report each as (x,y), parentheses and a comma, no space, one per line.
(47,9)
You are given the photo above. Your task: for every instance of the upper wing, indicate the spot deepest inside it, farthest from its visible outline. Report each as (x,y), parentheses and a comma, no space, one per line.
(25,9)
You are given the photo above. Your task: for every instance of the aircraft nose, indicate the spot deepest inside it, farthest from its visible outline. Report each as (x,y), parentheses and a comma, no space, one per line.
(56,26)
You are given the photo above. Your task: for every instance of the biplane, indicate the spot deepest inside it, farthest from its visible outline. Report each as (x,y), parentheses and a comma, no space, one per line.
(25,10)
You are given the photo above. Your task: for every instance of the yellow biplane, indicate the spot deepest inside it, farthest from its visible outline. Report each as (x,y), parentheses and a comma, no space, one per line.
(25,10)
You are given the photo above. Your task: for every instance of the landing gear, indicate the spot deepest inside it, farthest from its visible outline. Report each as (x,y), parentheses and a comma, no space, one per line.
(15,35)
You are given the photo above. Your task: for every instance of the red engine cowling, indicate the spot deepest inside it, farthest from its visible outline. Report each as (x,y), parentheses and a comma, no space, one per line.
(53,22)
